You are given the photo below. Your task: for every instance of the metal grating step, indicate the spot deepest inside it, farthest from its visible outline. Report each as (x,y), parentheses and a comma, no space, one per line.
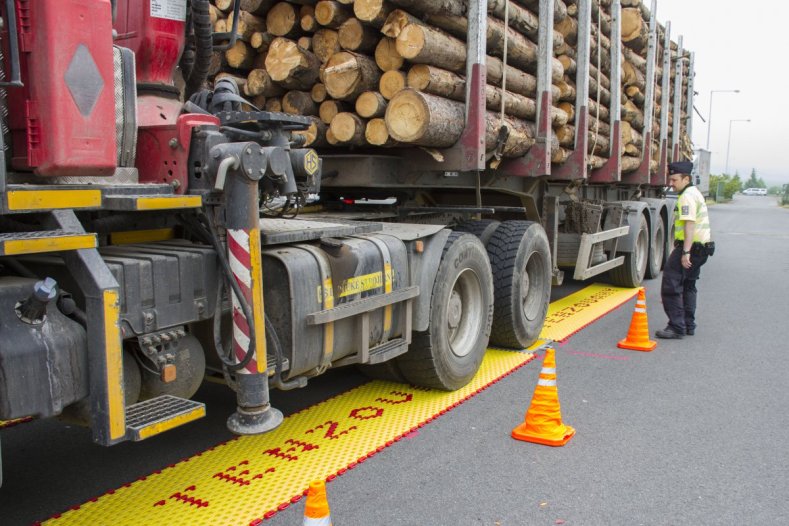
(387,351)
(17,243)
(151,417)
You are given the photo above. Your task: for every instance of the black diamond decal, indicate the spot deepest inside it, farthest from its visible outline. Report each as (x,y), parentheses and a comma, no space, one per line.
(84,80)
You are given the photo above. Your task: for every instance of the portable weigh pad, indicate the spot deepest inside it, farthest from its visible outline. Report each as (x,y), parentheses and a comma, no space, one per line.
(250,478)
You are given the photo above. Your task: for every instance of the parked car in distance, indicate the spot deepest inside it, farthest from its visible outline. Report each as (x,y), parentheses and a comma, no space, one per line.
(754,191)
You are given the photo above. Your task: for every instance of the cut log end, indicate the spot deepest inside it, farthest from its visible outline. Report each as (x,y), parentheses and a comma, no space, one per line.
(407,116)
(391,83)
(386,55)
(348,128)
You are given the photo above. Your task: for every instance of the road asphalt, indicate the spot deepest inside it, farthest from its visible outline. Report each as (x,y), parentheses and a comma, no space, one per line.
(691,433)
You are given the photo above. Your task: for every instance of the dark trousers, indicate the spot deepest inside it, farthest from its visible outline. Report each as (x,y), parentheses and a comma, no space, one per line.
(678,289)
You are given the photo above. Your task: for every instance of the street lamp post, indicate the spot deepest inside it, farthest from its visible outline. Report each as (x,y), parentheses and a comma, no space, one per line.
(728,144)
(709,115)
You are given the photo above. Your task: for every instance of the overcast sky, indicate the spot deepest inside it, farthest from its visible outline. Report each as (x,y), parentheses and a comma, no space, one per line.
(739,45)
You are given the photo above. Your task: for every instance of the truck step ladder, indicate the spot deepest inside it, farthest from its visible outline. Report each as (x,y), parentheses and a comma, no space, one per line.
(18,243)
(151,417)
(152,202)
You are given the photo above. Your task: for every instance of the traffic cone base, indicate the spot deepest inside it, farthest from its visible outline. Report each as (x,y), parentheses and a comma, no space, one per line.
(522,432)
(627,344)
(638,334)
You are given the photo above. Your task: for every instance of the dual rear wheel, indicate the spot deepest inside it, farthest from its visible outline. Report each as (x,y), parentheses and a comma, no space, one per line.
(496,294)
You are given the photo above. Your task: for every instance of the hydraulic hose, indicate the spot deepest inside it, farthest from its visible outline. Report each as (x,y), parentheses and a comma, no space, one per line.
(204,47)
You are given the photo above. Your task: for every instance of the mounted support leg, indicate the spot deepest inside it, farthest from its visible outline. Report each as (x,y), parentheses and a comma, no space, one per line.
(244,166)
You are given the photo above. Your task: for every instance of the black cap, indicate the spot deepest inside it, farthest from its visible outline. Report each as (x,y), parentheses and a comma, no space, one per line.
(680,167)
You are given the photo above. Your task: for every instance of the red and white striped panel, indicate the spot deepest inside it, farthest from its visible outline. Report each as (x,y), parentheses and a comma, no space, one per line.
(241,265)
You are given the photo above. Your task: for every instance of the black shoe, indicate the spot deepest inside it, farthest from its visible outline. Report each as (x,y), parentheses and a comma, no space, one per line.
(668,334)
(690,332)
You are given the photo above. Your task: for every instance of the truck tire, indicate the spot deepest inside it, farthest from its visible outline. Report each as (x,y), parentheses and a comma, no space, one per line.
(520,257)
(631,272)
(657,250)
(449,353)
(482,228)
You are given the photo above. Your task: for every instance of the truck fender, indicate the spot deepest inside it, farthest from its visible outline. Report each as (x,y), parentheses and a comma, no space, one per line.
(633,212)
(424,267)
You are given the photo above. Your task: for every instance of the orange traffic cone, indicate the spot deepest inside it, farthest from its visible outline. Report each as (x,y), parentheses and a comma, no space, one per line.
(543,422)
(638,334)
(316,509)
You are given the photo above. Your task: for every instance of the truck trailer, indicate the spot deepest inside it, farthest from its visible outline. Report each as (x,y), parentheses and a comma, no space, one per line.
(164,220)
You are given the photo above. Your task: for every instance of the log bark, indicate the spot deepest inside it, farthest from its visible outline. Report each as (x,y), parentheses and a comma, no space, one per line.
(436,81)
(559,8)
(420,7)
(256,7)
(370,104)
(376,133)
(519,140)
(248,24)
(372,12)
(386,56)
(292,67)
(391,83)
(630,164)
(348,74)
(425,45)
(325,43)
(633,115)
(425,120)
(354,36)
(331,14)
(348,129)
(517,81)
(283,21)
(299,103)
(259,82)
(217,63)
(240,56)
(396,22)
(330,108)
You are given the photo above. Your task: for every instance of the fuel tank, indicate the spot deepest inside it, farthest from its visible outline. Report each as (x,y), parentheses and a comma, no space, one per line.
(43,361)
(304,278)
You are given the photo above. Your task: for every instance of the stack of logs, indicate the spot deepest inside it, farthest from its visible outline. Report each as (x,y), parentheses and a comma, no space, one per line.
(391,72)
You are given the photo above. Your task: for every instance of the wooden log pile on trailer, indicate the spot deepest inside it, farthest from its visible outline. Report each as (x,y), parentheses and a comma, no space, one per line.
(391,73)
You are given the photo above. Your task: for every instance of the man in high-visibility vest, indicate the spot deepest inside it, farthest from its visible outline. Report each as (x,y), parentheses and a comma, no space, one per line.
(692,246)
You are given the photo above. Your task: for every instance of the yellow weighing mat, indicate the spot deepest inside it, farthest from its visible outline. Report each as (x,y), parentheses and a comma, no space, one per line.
(248,479)
(571,314)
(252,477)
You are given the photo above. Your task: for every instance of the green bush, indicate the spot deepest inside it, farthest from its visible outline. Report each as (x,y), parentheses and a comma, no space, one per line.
(731,185)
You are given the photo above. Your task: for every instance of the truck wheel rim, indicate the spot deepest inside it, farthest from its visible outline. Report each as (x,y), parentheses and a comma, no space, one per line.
(532,285)
(464,313)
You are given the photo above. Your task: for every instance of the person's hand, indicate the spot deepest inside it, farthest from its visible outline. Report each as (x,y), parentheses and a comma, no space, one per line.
(686,261)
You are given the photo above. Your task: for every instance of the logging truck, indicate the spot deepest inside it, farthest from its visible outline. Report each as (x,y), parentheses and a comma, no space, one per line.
(259,191)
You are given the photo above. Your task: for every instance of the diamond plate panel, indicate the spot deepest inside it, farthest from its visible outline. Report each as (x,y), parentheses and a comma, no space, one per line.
(84,80)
